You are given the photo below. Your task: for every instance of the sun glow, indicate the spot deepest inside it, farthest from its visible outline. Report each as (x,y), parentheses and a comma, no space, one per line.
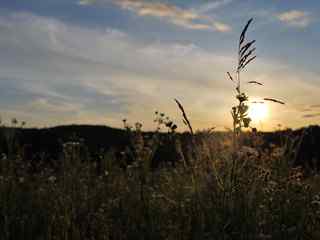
(258,111)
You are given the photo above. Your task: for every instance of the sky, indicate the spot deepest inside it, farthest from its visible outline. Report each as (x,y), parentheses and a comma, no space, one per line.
(100,61)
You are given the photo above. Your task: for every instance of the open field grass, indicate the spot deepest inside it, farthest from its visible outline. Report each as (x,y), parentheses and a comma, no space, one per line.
(212,192)
(238,184)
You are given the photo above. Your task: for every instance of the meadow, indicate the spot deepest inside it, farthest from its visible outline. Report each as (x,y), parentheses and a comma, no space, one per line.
(209,192)
(164,184)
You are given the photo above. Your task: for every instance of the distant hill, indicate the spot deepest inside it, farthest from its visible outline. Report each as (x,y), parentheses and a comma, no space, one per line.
(50,140)
(94,136)
(305,141)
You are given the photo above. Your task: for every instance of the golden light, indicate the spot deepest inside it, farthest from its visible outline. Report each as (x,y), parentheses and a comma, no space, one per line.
(258,111)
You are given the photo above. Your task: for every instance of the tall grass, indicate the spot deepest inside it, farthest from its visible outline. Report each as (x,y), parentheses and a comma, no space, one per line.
(245,55)
(269,200)
(201,194)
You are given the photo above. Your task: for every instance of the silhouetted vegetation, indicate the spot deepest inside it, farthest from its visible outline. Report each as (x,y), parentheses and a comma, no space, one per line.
(96,182)
(168,188)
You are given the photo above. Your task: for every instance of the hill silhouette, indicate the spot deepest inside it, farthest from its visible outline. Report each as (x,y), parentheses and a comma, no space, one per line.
(48,142)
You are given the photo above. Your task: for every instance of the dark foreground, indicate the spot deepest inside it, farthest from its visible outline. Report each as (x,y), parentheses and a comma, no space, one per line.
(209,192)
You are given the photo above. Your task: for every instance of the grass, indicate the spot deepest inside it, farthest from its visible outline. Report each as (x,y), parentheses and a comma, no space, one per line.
(210,190)
(267,200)
(246,55)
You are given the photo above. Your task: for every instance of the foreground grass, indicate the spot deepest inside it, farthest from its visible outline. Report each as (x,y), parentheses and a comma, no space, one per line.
(260,197)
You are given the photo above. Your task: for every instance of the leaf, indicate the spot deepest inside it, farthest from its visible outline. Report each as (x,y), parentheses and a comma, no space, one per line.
(230,77)
(243,109)
(211,129)
(169,124)
(245,57)
(274,100)
(250,60)
(242,97)
(238,89)
(246,47)
(246,122)
(243,34)
(255,82)
(185,118)
(185,123)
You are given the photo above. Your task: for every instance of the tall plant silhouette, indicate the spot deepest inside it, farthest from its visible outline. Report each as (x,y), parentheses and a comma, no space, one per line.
(246,55)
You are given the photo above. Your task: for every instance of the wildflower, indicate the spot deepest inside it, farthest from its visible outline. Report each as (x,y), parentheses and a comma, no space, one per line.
(246,122)
(242,97)
(52,179)
(14,121)
(138,126)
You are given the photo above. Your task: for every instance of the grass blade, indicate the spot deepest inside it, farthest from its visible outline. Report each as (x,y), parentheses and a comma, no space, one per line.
(185,118)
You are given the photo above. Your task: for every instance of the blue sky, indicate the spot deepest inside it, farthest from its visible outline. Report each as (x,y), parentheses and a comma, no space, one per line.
(98,61)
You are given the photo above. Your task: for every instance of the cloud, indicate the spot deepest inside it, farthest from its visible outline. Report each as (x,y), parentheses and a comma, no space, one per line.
(189,19)
(205,8)
(313,115)
(315,106)
(307,108)
(53,73)
(60,73)
(295,18)
(312,109)
(86,2)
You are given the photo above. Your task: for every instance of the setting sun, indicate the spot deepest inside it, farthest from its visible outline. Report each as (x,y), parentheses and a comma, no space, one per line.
(159,119)
(258,111)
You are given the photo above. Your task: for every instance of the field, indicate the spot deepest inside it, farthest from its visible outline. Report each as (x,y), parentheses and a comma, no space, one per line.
(96,61)
(209,192)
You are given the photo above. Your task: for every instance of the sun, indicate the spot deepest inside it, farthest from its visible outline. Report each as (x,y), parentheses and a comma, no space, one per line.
(258,111)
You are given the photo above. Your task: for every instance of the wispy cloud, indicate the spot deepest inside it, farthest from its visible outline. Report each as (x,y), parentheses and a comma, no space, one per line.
(86,2)
(67,73)
(186,18)
(313,109)
(295,18)
(52,72)
(205,8)
(313,115)
(315,106)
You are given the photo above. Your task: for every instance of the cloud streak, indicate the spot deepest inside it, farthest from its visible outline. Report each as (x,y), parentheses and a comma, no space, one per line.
(313,115)
(189,19)
(86,2)
(295,18)
(315,106)
(213,6)
(52,72)
(61,72)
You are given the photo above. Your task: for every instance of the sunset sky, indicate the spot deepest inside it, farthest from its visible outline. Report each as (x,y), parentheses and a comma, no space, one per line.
(97,62)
